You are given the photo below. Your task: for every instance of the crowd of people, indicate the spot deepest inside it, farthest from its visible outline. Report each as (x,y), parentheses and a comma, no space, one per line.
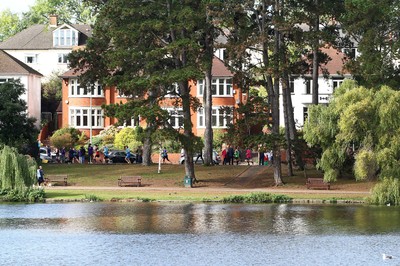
(90,155)
(234,155)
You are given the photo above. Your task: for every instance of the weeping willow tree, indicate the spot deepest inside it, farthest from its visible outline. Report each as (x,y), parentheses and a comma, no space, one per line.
(17,172)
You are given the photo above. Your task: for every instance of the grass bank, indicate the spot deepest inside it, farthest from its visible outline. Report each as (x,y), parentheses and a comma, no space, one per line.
(215,183)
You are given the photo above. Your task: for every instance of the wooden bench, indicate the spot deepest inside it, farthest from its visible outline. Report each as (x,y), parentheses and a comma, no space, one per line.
(129,181)
(60,179)
(317,183)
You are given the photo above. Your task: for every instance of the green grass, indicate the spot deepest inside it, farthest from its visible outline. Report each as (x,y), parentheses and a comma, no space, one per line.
(171,176)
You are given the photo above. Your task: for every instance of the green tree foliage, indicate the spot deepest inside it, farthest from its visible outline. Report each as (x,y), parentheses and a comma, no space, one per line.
(361,125)
(67,137)
(16,171)
(374,27)
(127,137)
(386,192)
(143,48)
(16,128)
(10,24)
(51,93)
(68,11)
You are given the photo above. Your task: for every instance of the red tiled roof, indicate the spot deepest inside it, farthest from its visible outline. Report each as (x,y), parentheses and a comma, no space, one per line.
(336,64)
(219,69)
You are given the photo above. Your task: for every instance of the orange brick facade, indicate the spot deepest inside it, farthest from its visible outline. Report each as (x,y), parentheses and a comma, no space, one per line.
(220,72)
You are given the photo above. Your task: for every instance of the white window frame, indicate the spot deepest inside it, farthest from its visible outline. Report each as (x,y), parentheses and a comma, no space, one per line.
(79,117)
(174,92)
(65,37)
(336,82)
(218,118)
(176,117)
(75,90)
(6,79)
(133,122)
(218,84)
(34,58)
(62,58)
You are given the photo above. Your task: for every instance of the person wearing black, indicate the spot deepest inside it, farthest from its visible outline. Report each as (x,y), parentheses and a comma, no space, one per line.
(40,176)
(229,154)
(199,156)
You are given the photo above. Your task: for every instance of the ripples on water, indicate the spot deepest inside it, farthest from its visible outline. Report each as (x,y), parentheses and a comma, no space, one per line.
(197,234)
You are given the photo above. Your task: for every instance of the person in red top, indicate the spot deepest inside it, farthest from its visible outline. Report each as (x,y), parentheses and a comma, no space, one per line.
(248,156)
(223,156)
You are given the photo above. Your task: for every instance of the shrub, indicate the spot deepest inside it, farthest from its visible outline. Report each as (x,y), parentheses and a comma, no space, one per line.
(257,198)
(127,137)
(386,192)
(64,140)
(68,137)
(365,166)
(16,171)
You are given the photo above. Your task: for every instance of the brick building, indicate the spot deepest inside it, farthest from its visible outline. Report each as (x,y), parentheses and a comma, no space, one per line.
(82,109)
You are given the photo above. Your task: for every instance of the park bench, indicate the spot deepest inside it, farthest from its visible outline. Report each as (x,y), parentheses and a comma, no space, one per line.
(317,183)
(52,179)
(129,181)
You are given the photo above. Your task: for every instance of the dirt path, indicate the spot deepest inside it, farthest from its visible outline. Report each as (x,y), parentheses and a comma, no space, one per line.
(251,179)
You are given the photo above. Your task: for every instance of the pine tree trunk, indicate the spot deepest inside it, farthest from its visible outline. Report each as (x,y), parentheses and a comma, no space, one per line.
(208,133)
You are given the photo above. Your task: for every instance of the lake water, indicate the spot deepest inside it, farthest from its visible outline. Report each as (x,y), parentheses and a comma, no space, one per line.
(197,234)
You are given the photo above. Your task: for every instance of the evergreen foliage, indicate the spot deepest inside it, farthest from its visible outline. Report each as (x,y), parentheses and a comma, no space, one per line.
(16,128)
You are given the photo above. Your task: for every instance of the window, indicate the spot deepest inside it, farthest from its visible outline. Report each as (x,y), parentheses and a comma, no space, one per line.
(65,37)
(336,83)
(4,80)
(200,87)
(291,84)
(173,90)
(176,118)
(75,90)
(220,117)
(84,117)
(308,82)
(219,87)
(350,52)
(305,114)
(62,58)
(31,59)
(133,122)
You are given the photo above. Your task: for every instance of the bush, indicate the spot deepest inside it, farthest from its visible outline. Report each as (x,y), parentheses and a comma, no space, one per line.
(257,198)
(25,195)
(386,192)
(64,140)
(127,137)
(67,137)
(365,166)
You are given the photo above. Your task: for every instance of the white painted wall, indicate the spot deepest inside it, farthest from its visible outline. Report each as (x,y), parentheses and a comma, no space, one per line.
(32,94)
(301,99)
(47,60)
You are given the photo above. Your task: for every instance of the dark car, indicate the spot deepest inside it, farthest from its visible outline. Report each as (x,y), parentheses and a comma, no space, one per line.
(119,157)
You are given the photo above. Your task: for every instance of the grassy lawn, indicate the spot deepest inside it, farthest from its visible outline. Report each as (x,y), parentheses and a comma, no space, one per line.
(104,178)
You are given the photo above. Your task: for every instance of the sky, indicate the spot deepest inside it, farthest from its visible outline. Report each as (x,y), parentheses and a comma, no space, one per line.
(16,6)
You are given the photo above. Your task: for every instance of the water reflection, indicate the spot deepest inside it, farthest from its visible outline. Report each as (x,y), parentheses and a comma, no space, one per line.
(197,234)
(203,218)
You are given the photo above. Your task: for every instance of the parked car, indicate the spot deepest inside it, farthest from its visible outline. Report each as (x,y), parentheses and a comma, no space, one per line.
(216,158)
(118,156)
(43,155)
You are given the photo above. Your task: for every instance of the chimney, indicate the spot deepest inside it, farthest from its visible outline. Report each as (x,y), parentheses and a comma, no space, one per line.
(53,20)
